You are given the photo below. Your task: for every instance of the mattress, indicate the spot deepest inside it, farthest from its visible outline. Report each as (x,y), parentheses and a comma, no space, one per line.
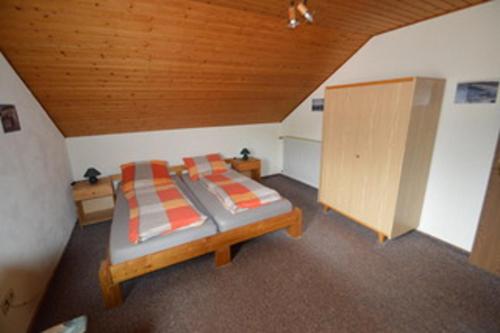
(222,217)
(122,250)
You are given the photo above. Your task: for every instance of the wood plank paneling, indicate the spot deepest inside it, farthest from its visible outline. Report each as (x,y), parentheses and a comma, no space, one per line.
(110,66)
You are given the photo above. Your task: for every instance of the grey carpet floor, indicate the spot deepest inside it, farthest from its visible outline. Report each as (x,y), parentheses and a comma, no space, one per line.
(336,278)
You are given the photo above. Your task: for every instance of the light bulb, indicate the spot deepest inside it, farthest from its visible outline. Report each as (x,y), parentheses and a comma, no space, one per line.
(292,19)
(305,12)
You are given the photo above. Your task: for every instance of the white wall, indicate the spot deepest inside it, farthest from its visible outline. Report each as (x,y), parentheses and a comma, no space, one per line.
(107,152)
(36,210)
(458,47)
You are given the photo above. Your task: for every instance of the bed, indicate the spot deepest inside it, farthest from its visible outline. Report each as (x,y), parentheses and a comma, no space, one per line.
(126,261)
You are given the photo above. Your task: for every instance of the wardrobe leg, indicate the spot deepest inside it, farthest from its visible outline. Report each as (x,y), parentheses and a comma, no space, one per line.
(325,209)
(381,237)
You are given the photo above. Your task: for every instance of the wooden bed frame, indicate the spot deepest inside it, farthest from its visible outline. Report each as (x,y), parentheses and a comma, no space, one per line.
(110,276)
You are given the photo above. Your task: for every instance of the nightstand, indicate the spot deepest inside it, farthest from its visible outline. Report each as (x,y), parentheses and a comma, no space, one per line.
(84,191)
(250,167)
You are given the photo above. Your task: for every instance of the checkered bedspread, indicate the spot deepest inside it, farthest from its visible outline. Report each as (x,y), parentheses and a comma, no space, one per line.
(157,206)
(237,192)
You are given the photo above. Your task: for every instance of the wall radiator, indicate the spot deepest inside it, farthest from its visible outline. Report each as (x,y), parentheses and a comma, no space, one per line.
(301,159)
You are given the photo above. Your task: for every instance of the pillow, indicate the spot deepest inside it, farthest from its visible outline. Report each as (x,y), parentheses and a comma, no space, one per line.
(138,175)
(200,166)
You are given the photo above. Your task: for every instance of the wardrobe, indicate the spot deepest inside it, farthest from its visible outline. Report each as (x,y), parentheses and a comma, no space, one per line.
(378,139)
(486,250)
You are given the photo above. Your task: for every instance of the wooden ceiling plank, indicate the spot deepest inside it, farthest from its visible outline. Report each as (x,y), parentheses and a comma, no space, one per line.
(188,63)
(428,8)
(442,5)
(107,40)
(362,12)
(394,10)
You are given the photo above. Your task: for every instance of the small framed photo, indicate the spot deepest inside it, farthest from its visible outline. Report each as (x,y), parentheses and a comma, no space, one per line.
(10,120)
(477,92)
(318,104)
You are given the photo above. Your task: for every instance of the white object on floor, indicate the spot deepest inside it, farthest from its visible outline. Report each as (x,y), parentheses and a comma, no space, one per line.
(77,325)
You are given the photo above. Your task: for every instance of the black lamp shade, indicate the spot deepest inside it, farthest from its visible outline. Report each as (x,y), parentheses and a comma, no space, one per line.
(245,152)
(92,174)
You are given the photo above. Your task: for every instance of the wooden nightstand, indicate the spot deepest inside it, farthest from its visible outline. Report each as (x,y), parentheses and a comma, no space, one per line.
(83,191)
(250,167)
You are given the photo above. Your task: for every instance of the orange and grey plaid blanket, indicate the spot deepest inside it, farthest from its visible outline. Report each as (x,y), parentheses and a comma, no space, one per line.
(237,192)
(157,206)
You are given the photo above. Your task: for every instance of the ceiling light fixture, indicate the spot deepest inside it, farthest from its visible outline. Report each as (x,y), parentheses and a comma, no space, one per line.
(292,18)
(293,22)
(301,7)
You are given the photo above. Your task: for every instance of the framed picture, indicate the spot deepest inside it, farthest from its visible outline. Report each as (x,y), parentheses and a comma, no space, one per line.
(477,92)
(318,104)
(10,120)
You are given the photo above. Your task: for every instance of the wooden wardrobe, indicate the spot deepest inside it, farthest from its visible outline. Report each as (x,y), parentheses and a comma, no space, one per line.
(378,139)
(486,250)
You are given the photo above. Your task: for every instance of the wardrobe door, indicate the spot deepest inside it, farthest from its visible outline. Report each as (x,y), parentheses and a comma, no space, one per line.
(340,126)
(384,111)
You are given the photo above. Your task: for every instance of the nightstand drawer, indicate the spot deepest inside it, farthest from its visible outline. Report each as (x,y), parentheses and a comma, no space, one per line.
(83,190)
(249,165)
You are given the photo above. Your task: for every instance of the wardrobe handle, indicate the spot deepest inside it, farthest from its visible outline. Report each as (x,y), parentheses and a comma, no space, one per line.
(357,155)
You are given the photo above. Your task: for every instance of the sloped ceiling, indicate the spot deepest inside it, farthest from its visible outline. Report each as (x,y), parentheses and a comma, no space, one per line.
(110,66)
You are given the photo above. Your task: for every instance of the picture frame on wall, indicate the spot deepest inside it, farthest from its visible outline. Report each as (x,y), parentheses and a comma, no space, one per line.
(480,92)
(9,118)
(318,104)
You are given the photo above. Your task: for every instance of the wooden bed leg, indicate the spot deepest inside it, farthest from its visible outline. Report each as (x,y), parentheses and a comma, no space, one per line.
(381,237)
(295,229)
(325,209)
(223,256)
(111,292)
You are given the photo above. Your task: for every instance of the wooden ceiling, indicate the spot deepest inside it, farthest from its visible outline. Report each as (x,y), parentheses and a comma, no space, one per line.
(110,66)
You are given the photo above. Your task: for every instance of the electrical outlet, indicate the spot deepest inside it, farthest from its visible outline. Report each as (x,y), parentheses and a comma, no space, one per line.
(7,301)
